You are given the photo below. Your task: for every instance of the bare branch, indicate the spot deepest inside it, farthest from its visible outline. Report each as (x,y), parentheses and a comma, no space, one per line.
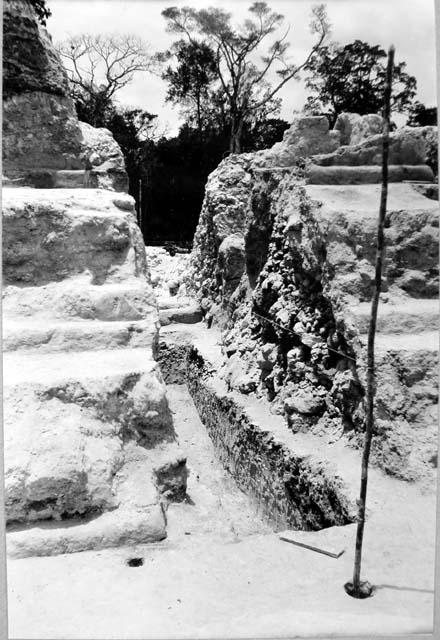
(103,63)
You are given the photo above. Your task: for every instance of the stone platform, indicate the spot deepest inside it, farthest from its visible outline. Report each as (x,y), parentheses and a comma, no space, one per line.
(84,400)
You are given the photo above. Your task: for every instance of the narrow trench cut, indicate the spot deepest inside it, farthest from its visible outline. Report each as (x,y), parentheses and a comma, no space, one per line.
(214,506)
(246,479)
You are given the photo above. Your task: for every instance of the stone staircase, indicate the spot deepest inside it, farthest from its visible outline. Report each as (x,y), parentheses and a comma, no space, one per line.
(407,328)
(359,159)
(84,400)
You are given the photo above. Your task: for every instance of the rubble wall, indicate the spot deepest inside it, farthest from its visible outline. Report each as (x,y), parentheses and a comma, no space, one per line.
(41,132)
(292,489)
(286,270)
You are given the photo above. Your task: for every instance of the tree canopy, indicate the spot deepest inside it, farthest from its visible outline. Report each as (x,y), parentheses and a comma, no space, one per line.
(421,116)
(41,10)
(241,66)
(190,80)
(352,78)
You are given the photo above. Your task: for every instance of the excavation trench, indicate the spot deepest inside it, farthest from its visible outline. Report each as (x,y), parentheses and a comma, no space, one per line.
(251,475)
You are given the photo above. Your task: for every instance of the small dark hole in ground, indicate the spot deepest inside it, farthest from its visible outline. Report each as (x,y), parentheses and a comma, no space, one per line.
(135,562)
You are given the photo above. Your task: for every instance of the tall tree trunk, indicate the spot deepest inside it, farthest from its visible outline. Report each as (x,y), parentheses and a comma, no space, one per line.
(232,135)
(199,119)
(356,588)
(236,134)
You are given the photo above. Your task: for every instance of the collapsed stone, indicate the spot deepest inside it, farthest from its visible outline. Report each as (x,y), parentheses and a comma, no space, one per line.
(294,315)
(42,137)
(84,400)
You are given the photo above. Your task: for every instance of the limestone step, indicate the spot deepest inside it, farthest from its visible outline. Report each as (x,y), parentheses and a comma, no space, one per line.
(71,179)
(138,519)
(132,299)
(427,342)
(53,234)
(413,356)
(347,215)
(47,369)
(190,314)
(112,529)
(361,202)
(52,179)
(174,302)
(409,316)
(368,174)
(69,419)
(79,335)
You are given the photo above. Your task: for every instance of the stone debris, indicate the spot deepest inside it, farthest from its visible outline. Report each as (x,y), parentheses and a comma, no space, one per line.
(355,128)
(292,303)
(171,478)
(43,143)
(407,147)
(169,280)
(307,136)
(98,147)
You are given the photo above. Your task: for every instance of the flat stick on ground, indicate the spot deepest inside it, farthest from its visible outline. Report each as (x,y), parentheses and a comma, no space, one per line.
(356,588)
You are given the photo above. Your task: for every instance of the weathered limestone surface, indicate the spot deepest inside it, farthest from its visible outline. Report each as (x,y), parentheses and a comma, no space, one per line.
(367,174)
(41,132)
(30,63)
(308,135)
(99,148)
(355,128)
(53,235)
(294,324)
(354,146)
(407,147)
(288,480)
(86,415)
(170,287)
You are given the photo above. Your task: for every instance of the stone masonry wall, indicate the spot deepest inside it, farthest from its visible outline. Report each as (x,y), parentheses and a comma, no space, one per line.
(286,270)
(41,132)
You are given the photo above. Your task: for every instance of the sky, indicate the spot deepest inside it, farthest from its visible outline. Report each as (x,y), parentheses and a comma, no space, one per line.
(408,24)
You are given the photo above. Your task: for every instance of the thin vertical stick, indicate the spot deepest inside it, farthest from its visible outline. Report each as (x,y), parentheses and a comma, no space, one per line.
(372,330)
(140,204)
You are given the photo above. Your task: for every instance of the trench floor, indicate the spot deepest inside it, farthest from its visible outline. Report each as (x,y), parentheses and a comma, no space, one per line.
(215,507)
(223,573)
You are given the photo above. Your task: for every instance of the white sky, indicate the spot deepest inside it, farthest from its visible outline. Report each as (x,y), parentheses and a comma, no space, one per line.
(408,24)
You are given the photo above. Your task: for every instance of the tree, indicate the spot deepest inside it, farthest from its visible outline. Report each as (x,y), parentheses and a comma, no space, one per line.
(236,51)
(98,66)
(133,130)
(192,77)
(422,116)
(41,10)
(352,78)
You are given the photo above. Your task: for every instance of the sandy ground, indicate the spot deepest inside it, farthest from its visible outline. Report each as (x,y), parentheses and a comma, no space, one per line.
(223,573)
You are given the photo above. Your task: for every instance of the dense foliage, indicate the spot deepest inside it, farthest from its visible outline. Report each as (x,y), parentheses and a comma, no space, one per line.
(352,78)
(219,62)
(167,176)
(178,170)
(422,116)
(42,11)
(190,80)
(217,75)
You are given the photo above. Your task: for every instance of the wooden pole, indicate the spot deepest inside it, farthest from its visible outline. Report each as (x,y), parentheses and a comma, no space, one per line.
(356,588)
